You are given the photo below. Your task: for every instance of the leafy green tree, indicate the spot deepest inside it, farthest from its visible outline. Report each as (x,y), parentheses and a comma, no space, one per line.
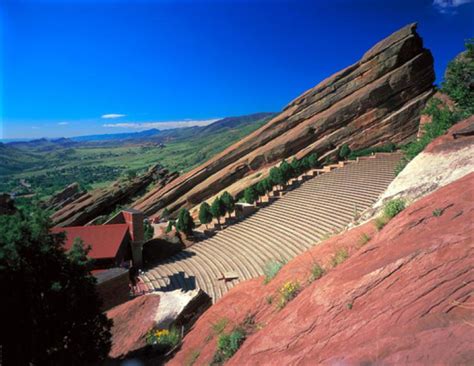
(218,209)
(205,215)
(276,176)
(185,222)
(170,225)
(165,214)
(313,161)
(131,174)
(250,195)
(297,167)
(261,188)
(267,182)
(459,79)
(50,294)
(286,171)
(344,151)
(228,202)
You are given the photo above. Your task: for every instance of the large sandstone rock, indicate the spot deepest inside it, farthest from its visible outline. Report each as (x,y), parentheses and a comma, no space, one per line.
(405,297)
(62,198)
(374,101)
(103,201)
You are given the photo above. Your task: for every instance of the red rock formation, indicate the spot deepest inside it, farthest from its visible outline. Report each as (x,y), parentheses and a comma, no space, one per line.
(376,100)
(405,297)
(445,100)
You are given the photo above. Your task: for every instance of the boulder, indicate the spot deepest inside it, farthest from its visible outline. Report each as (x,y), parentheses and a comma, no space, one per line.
(62,198)
(374,101)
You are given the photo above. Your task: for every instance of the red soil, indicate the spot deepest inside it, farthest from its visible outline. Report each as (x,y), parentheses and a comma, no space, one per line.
(404,297)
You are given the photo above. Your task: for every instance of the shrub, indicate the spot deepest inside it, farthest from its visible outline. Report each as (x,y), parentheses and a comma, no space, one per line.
(286,170)
(165,214)
(219,326)
(394,207)
(344,151)
(163,338)
(297,167)
(380,222)
(261,188)
(364,239)
(276,176)
(438,212)
(227,345)
(340,257)
(288,292)
(250,195)
(228,201)
(170,225)
(271,269)
(316,272)
(205,215)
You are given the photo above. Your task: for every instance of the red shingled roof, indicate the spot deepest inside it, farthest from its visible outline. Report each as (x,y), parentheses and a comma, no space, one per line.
(104,240)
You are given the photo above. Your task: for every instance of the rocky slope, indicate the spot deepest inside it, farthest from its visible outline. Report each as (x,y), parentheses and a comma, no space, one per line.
(376,100)
(404,297)
(90,205)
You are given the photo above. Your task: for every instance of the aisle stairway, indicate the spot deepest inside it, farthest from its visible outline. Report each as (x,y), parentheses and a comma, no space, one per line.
(320,206)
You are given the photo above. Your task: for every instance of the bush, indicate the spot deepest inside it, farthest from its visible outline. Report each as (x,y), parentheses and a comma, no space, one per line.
(344,151)
(163,339)
(286,170)
(380,222)
(437,212)
(227,345)
(261,188)
(340,257)
(218,209)
(271,269)
(185,222)
(297,167)
(228,202)
(316,272)
(276,176)
(288,292)
(170,225)
(219,326)
(393,208)
(250,195)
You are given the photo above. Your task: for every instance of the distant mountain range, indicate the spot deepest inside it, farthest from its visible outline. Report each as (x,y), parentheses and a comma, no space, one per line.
(151,135)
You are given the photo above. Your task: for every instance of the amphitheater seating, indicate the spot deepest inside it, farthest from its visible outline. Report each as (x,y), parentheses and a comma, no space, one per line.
(320,206)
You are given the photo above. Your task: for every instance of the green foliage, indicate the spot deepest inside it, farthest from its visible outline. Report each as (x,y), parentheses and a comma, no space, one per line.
(131,174)
(148,230)
(364,239)
(316,272)
(350,305)
(286,171)
(271,269)
(185,222)
(170,225)
(437,212)
(228,201)
(458,79)
(389,147)
(218,208)
(267,183)
(340,257)
(344,151)
(261,188)
(288,292)
(380,222)
(250,195)
(50,294)
(227,345)
(394,207)
(163,339)
(297,167)
(165,214)
(276,176)
(205,215)
(219,326)
(310,162)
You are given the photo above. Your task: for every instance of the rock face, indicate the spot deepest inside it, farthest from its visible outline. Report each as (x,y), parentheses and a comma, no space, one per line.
(404,297)
(62,198)
(103,201)
(374,101)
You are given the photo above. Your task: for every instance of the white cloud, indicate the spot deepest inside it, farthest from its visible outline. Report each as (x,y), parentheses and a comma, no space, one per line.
(166,125)
(449,6)
(63,123)
(112,115)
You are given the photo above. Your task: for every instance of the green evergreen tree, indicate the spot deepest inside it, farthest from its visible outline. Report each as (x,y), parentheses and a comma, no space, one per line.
(228,202)
(267,183)
(261,188)
(185,222)
(50,294)
(218,209)
(250,195)
(165,214)
(276,176)
(170,225)
(286,171)
(205,215)
(344,151)
(296,165)
(313,161)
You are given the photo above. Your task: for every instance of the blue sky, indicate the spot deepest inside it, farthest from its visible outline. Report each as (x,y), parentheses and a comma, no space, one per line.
(65,64)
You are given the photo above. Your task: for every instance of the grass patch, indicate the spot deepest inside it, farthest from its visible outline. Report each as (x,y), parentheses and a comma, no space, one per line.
(271,269)
(349,306)
(340,257)
(219,326)
(394,207)
(192,358)
(380,222)
(227,345)
(288,292)
(364,239)
(316,272)
(438,212)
